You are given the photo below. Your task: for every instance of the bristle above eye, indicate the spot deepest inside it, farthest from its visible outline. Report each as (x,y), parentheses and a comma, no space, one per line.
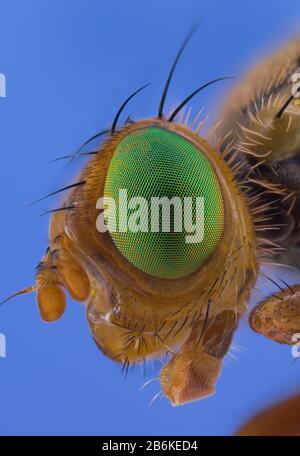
(97,135)
(187,99)
(81,154)
(64,208)
(179,53)
(115,121)
(68,187)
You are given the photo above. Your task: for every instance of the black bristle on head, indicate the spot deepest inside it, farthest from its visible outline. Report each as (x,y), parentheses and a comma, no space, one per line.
(64,208)
(187,99)
(57,191)
(81,154)
(115,121)
(285,105)
(97,135)
(168,81)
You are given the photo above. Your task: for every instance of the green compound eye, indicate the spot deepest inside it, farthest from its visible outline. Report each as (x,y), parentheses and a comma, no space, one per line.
(153,163)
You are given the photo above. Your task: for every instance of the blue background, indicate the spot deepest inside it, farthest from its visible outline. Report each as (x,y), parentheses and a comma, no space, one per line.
(69,64)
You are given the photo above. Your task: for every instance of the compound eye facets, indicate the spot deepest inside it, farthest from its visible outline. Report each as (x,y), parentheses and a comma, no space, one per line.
(163,204)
